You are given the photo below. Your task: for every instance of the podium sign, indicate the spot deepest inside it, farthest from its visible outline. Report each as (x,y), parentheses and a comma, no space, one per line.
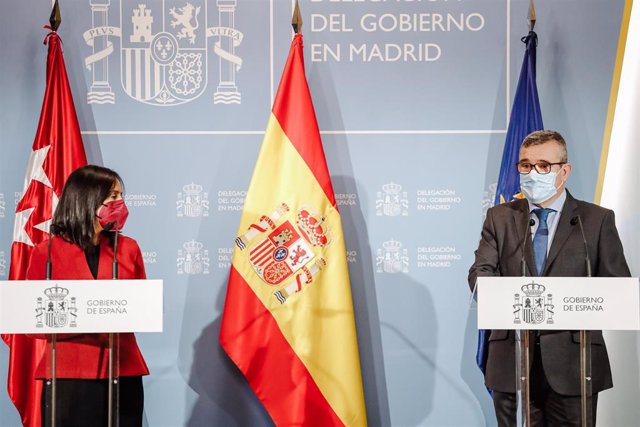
(80,306)
(564,303)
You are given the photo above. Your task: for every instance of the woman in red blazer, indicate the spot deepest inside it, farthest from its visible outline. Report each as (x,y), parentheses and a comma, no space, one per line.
(90,211)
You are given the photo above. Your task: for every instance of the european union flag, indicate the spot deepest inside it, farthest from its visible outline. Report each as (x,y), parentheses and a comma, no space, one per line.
(525,118)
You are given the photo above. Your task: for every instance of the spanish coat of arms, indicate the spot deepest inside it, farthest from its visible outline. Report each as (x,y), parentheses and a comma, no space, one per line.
(58,310)
(288,254)
(163,51)
(532,306)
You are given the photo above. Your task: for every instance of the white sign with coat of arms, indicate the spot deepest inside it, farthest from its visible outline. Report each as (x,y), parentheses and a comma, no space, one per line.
(80,306)
(164,48)
(558,303)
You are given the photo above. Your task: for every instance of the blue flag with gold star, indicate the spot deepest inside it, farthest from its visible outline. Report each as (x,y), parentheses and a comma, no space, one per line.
(525,118)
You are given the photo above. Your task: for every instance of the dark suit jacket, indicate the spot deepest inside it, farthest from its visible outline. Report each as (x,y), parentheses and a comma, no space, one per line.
(87,355)
(500,253)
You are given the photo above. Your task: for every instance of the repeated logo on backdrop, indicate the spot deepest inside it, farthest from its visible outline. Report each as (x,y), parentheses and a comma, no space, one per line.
(140,200)
(230,200)
(392,258)
(193,258)
(192,202)
(346,199)
(392,201)
(164,51)
(150,257)
(2,206)
(3,265)
(488,198)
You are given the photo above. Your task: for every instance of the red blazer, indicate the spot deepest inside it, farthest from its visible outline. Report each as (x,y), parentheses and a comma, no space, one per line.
(87,355)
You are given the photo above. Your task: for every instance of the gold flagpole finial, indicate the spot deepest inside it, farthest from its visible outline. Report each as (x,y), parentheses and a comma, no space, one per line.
(296,19)
(532,15)
(55,19)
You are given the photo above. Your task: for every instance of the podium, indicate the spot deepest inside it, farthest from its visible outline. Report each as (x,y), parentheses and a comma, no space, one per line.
(88,314)
(538,308)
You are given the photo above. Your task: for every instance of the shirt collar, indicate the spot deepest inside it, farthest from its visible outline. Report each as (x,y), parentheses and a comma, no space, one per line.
(556,205)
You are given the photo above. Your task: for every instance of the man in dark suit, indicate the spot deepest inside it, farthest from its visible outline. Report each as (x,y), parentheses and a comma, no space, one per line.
(554,247)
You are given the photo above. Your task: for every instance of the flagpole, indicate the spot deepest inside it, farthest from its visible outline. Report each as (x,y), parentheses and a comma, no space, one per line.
(55,19)
(525,118)
(526,375)
(296,19)
(532,15)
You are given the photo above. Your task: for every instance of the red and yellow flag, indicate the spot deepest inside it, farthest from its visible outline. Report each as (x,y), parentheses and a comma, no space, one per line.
(288,319)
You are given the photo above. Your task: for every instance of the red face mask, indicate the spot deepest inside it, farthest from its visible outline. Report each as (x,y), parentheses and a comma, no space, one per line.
(112,215)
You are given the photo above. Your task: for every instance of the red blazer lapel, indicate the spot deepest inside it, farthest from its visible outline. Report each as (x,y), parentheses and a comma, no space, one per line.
(62,252)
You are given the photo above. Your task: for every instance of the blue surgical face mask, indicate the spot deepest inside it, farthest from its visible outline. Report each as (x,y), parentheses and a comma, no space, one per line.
(537,188)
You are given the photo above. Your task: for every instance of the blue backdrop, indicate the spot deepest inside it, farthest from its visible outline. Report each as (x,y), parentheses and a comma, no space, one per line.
(412,99)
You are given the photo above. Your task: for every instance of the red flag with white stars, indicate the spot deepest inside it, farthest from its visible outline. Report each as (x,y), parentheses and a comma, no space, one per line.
(57,151)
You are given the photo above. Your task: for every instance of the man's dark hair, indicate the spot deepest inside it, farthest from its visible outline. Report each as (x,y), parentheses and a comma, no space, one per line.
(541,136)
(84,192)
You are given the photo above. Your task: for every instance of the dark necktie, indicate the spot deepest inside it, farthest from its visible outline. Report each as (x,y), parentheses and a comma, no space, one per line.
(541,239)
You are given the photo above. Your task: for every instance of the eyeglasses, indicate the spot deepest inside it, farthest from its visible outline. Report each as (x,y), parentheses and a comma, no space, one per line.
(542,168)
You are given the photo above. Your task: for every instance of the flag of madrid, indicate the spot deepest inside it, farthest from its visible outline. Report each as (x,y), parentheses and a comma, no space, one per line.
(57,150)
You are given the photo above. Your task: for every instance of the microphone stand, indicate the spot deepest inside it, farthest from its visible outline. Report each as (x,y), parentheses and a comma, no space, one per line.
(113,346)
(54,344)
(523,345)
(585,345)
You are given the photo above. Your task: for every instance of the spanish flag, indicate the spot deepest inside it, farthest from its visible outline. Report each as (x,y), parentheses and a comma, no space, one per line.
(288,316)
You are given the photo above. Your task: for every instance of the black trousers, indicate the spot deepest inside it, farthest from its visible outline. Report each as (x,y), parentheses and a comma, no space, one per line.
(84,403)
(547,408)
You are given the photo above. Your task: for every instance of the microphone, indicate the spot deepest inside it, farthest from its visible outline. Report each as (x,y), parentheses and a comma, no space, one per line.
(578,220)
(52,229)
(523,261)
(48,274)
(112,226)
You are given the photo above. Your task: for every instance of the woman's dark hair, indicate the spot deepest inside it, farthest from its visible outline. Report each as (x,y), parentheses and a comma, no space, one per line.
(83,193)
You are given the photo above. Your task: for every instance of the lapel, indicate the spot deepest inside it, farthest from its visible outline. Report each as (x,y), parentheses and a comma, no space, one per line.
(521,221)
(72,260)
(563,230)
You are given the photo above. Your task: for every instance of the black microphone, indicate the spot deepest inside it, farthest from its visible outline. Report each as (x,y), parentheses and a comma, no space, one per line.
(114,265)
(111,226)
(48,274)
(523,261)
(578,220)
(52,229)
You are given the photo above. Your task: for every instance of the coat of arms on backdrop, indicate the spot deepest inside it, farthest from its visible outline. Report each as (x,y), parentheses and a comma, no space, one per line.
(287,249)
(164,47)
